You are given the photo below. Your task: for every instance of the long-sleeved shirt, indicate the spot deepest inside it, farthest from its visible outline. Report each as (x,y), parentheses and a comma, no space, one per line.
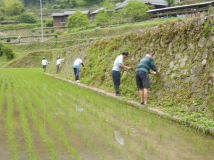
(58,61)
(44,62)
(146,64)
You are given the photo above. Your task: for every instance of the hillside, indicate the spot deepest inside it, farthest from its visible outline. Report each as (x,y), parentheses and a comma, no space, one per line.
(183,55)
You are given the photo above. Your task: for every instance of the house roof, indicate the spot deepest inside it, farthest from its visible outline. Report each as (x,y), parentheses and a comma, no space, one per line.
(57,14)
(95,12)
(153,2)
(68,12)
(183,6)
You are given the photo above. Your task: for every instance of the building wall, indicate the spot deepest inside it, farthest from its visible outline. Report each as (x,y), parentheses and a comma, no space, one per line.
(56,21)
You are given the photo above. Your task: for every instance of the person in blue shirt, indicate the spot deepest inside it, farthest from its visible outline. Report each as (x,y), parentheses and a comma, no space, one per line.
(142,77)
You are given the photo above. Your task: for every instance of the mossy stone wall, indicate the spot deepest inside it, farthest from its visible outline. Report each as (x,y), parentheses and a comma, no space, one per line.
(183,55)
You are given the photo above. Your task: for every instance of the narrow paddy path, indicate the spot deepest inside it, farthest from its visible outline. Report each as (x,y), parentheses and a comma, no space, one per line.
(58,120)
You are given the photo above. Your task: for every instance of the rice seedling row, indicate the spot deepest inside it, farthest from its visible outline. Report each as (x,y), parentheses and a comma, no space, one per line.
(67,111)
(78,123)
(9,122)
(39,123)
(153,122)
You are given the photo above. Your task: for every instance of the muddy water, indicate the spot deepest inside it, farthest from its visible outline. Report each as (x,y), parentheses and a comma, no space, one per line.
(84,125)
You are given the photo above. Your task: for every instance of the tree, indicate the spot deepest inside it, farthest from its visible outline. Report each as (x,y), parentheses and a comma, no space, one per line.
(107,5)
(136,10)
(102,18)
(27,18)
(11,7)
(170,2)
(8,52)
(80,3)
(78,19)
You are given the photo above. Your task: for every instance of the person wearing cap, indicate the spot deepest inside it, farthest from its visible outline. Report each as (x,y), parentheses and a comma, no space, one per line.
(77,62)
(44,64)
(58,62)
(118,65)
(142,75)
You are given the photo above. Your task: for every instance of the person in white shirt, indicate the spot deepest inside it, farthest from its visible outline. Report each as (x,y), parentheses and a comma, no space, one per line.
(44,64)
(19,38)
(118,65)
(58,62)
(77,62)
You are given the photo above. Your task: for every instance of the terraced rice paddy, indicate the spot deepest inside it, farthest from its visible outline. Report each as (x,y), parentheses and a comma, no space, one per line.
(45,118)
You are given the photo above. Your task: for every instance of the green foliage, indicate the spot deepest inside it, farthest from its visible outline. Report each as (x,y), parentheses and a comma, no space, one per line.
(27,18)
(2,18)
(170,2)
(102,18)
(206,31)
(136,10)
(80,2)
(211,10)
(78,19)
(59,32)
(8,52)
(8,40)
(11,7)
(1,46)
(107,5)
(49,23)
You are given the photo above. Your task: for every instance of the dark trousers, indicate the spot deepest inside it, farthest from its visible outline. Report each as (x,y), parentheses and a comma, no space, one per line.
(116,77)
(76,73)
(44,68)
(57,68)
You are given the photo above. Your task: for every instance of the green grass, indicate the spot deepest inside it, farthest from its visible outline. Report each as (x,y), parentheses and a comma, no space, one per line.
(19,26)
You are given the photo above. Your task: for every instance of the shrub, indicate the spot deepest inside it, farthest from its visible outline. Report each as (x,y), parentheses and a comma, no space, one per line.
(55,6)
(49,23)
(2,18)
(27,18)
(78,19)
(1,46)
(8,40)
(46,32)
(102,18)
(55,35)
(52,30)
(32,30)
(59,32)
(8,52)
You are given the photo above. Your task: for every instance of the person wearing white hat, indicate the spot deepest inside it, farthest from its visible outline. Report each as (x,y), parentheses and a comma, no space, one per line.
(44,64)
(77,62)
(58,62)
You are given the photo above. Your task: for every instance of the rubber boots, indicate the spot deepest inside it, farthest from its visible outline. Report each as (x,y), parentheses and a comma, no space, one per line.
(116,88)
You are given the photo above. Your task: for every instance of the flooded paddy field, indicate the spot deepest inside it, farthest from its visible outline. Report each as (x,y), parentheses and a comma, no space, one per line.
(45,118)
